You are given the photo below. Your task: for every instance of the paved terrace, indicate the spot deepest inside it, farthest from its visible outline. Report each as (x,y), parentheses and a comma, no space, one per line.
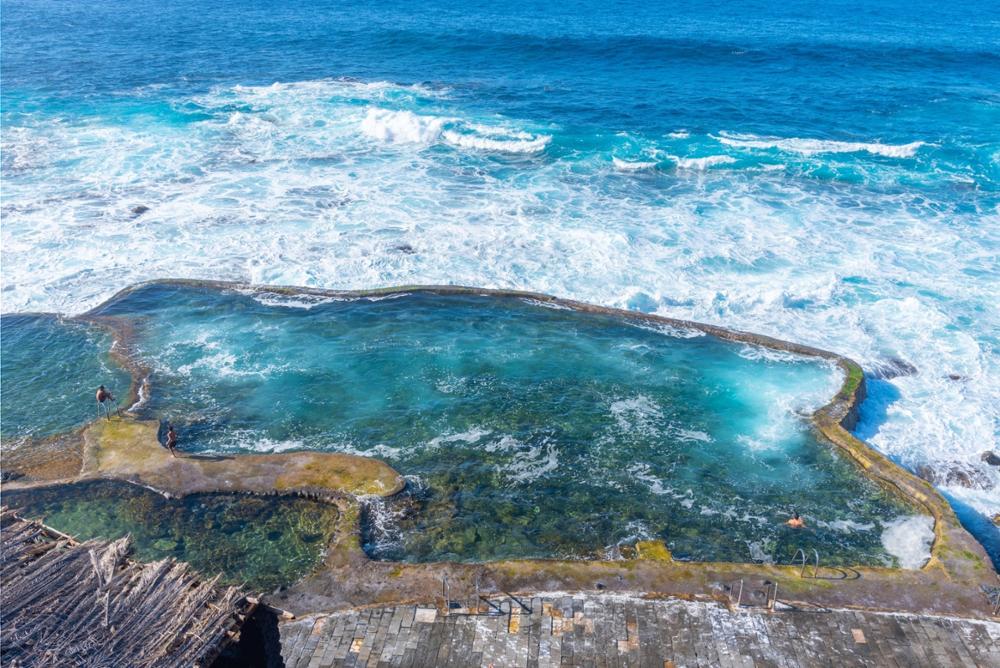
(615,630)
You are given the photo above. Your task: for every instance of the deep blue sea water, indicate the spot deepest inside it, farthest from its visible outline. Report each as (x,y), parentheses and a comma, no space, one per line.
(823,172)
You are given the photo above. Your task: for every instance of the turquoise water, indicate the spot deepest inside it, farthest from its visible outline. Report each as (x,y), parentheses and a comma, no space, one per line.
(524,430)
(827,173)
(259,542)
(824,172)
(49,371)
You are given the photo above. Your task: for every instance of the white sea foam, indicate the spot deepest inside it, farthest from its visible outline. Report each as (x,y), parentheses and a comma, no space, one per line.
(380,450)
(251,440)
(473,435)
(385,297)
(691,435)
(505,443)
(816,146)
(407,127)
(909,539)
(702,163)
(844,526)
(528,466)
(631,166)
(637,415)
(745,516)
(400,127)
(667,330)
(868,272)
(762,353)
(556,306)
(643,473)
(226,364)
(533,144)
(296,301)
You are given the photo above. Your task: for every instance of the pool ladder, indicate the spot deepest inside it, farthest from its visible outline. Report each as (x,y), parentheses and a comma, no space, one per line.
(805,564)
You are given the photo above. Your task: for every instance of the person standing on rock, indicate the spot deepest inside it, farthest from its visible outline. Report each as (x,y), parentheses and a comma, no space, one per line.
(105,399)
(171,440)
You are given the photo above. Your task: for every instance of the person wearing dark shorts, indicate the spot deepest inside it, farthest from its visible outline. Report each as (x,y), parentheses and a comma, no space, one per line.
(171,440)
(105,399)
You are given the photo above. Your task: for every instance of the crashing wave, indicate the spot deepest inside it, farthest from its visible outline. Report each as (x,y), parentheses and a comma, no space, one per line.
(402,127)
(815,146)
(534,145)
(702,163)
(406,127)
(629,166)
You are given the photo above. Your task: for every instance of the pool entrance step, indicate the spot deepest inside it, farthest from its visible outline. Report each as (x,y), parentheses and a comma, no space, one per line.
(752,594)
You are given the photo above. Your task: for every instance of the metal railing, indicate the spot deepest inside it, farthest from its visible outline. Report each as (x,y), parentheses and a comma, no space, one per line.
(802,572)
(493,608)
(770,592)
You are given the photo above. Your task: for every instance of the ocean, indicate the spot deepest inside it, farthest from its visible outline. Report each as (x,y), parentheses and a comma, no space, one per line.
(827,173)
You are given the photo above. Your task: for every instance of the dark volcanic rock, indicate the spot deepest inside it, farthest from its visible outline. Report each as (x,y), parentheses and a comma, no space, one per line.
(8,475)
(139,210)
(955,473)
(991,458)
(405,249)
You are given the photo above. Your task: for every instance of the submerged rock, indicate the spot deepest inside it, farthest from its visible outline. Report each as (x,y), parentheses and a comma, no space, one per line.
(165,545)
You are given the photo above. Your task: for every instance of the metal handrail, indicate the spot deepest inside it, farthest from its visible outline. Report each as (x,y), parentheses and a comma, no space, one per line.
(492,607)
(802,572)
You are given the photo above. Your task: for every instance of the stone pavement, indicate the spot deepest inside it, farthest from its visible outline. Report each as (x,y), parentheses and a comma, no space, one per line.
(620,630)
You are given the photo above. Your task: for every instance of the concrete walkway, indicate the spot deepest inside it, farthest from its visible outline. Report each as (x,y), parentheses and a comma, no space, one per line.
(617,630)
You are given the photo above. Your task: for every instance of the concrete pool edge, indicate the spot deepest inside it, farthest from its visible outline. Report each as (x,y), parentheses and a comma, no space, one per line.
(955,555)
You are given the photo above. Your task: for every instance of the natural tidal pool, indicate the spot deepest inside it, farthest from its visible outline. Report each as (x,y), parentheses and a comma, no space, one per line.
(49,371)
(263,542)
(525,430)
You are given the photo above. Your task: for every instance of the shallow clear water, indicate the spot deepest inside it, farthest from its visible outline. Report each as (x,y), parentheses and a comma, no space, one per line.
(825,172)
(263,542)
(49,371)
(527,431)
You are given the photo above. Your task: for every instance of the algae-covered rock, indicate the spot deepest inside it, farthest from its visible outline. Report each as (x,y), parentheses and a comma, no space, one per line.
(128,449)
(164,545)
(653,550)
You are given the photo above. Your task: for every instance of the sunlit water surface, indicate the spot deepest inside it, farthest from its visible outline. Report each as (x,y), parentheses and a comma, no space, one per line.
(524,430)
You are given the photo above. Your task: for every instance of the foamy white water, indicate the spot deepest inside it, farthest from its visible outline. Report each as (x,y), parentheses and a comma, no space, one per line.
(909,539)
(348,185)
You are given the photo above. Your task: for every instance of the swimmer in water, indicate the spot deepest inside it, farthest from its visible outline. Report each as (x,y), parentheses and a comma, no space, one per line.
(796,522)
